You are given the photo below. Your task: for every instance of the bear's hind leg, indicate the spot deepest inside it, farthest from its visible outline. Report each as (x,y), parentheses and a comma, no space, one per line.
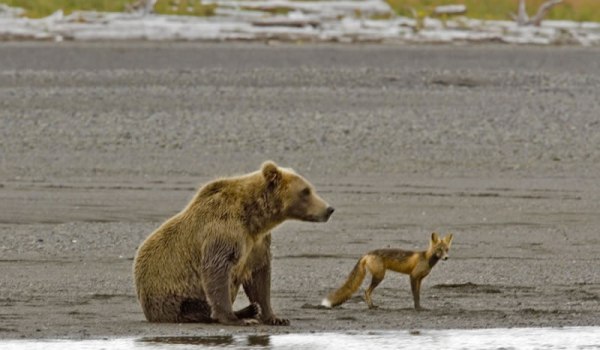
(251,311)
(194,311)
(198,311)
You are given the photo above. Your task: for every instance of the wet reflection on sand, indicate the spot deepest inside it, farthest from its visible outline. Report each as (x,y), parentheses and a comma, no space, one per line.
(484,339)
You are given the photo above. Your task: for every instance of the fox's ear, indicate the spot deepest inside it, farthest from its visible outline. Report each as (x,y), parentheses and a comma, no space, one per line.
(448,239)
(435,238)
(271,173)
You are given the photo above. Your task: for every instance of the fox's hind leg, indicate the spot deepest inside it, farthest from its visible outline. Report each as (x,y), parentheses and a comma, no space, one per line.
(374,283)
(375,266)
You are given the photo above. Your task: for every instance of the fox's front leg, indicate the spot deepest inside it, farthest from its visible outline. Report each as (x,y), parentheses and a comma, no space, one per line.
(415,285)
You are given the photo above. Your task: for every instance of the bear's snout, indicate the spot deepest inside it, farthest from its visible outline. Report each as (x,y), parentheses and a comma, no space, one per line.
(328,212)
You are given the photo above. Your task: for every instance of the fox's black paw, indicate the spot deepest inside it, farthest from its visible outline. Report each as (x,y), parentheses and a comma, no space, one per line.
(274,321)
(251,311)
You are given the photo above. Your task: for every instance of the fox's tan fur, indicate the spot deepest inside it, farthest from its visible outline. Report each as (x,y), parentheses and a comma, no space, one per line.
(191,268)
(415,264)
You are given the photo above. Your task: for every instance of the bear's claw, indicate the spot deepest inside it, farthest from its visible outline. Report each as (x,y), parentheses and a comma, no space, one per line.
(249,322)
(274,321)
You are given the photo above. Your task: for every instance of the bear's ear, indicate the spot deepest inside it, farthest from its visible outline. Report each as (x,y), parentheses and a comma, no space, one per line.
(271,173)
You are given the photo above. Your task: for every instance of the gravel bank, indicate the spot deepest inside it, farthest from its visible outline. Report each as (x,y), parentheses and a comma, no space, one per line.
(500,145)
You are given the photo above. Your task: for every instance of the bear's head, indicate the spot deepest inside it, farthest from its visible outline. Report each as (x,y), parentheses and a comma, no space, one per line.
(299,199)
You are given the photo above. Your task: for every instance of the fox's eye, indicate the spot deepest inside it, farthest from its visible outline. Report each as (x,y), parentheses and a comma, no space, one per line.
(305,192)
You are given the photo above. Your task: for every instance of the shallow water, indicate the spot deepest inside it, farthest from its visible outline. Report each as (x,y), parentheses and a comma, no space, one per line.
(580,338)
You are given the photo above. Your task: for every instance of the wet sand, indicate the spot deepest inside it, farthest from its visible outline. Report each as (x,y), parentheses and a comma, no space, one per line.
(100,143)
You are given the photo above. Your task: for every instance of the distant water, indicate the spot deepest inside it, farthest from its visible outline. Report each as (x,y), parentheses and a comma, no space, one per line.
(579,338)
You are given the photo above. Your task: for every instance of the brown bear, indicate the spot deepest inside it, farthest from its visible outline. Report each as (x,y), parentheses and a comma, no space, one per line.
(191,268)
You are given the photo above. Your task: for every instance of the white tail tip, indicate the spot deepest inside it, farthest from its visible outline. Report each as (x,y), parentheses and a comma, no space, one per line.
(326,303)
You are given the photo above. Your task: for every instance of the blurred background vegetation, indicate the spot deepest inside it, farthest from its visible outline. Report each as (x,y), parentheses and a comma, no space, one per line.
(43,8)
(576,10)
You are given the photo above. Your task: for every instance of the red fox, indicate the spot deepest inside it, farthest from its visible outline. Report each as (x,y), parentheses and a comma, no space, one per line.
(416,264)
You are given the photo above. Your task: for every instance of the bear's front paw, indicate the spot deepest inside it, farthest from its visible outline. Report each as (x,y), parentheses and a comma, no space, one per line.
(274,321)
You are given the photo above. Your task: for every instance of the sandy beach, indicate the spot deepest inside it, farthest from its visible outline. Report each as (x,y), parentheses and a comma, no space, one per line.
(500,145)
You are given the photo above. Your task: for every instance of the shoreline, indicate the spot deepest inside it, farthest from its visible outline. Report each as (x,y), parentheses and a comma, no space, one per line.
(306,22)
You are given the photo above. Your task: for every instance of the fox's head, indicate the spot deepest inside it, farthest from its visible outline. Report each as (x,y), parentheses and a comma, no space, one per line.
(439,247)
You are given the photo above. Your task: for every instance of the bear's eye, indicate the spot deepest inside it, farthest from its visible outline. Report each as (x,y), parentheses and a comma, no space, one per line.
(305,192)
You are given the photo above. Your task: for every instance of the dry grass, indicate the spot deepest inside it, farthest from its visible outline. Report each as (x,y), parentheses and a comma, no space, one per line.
(576,10)
(42,8)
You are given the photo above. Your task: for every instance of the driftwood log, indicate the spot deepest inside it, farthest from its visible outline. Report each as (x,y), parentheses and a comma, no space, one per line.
(286,22)
(523,19)
(330,8)
(449,10)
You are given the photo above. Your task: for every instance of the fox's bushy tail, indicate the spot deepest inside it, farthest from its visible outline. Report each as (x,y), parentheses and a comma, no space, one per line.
(354,280)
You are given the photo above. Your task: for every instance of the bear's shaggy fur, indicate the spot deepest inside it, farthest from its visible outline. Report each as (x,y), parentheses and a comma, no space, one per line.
(191,268)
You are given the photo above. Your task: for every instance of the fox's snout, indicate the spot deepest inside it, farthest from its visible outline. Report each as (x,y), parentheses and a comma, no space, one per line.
(443,255)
